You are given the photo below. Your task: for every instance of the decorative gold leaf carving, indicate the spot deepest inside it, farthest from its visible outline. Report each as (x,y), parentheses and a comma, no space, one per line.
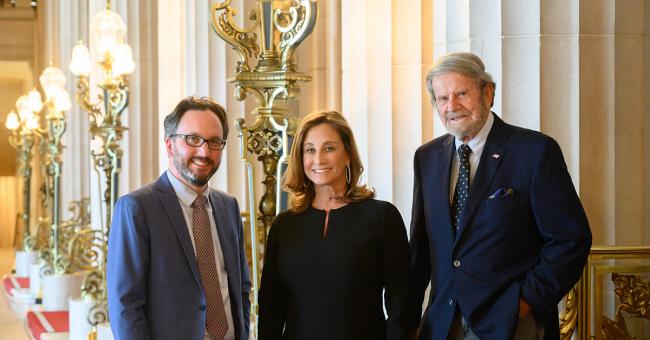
(243,40)
(633,295)
(569,318)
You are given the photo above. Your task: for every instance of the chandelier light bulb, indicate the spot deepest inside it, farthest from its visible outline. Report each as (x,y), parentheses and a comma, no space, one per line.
(22,104)
(62,101)
(80,65)
(108,30)
(52,81)
(32,122)
(24,114)
(123,60)
(12,123)
(34,100)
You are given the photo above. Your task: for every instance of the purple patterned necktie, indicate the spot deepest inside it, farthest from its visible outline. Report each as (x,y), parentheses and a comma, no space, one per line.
(216,322)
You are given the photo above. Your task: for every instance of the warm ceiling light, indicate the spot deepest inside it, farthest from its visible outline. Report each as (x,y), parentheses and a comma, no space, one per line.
(52,81)
(123,60)
(32,122)
(62,101)
(34,100)
(12,123)
(80,65)
(108,31)
(22,104)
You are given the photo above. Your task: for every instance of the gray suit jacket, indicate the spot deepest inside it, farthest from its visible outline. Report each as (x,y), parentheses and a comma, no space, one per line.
(154,286)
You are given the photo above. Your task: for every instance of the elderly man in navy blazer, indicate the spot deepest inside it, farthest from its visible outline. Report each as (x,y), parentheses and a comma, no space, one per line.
(497,227)
(176,263)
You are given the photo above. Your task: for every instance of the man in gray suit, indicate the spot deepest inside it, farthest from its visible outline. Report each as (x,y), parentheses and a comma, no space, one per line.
(176,262)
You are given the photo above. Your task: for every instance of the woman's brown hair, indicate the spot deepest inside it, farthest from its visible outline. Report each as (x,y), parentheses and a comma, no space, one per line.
(295,180)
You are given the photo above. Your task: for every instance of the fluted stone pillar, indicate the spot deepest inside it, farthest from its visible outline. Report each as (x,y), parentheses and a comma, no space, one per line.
(577,71)
(142,139)
(170,65)
(193,60)
(614,80)
(320,56)
(366,86)
(386,50)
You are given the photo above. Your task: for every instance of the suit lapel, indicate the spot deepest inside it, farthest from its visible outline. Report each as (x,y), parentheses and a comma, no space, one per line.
(175,214)
(440,173)
(490,160)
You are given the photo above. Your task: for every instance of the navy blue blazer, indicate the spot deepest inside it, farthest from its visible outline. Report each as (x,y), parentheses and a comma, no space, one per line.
(154,285)
(523,233)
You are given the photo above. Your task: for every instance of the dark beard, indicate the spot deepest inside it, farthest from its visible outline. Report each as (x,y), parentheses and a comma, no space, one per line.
(187,174)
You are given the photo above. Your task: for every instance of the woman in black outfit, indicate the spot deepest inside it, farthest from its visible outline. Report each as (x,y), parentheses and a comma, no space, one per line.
(337,256)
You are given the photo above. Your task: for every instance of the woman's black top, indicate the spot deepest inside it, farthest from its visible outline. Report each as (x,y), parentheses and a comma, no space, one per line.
(316,287)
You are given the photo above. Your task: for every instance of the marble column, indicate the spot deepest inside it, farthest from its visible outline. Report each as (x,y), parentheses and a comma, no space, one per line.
(578,72)
(320,56)
(193,60)
(366,86)
(614,120)
(386,50)
(142,119)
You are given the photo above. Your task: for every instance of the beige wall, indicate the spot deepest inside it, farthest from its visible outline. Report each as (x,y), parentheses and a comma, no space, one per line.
(17,32)
(10,90)
(18,48)
(10,206)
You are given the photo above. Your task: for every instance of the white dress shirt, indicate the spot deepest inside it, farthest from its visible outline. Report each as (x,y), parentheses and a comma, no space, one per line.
(476,144)
(185,197)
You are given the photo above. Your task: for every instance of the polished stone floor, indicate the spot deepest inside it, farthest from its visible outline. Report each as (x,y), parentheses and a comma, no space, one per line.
(11,328)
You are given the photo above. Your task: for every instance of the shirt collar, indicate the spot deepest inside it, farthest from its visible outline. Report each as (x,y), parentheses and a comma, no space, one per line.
(184,192)
(478,141)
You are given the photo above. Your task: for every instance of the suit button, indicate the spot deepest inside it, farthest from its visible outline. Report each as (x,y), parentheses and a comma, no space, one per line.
(451,302)
(456,263)
(202,307)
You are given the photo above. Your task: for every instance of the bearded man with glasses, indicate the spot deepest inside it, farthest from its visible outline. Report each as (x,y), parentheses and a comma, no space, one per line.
(176,265)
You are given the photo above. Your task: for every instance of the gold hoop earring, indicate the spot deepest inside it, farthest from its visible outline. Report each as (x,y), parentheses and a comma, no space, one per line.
(348,174)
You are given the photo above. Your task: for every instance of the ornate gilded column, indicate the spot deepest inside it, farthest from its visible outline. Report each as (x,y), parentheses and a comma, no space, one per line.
(282,25)
(115,59)
(25,141)
(24,127)
(57,102)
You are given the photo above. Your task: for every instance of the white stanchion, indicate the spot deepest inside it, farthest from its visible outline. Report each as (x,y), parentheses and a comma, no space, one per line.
(54,336)
(35,279)
(104,332)
(21,301)
(58,289)
(24,261)
(79,325)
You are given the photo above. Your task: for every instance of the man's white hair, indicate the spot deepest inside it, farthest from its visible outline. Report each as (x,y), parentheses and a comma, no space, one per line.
(465,63)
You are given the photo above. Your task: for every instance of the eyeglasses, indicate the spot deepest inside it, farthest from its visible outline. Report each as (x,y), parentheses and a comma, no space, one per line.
(197,141)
